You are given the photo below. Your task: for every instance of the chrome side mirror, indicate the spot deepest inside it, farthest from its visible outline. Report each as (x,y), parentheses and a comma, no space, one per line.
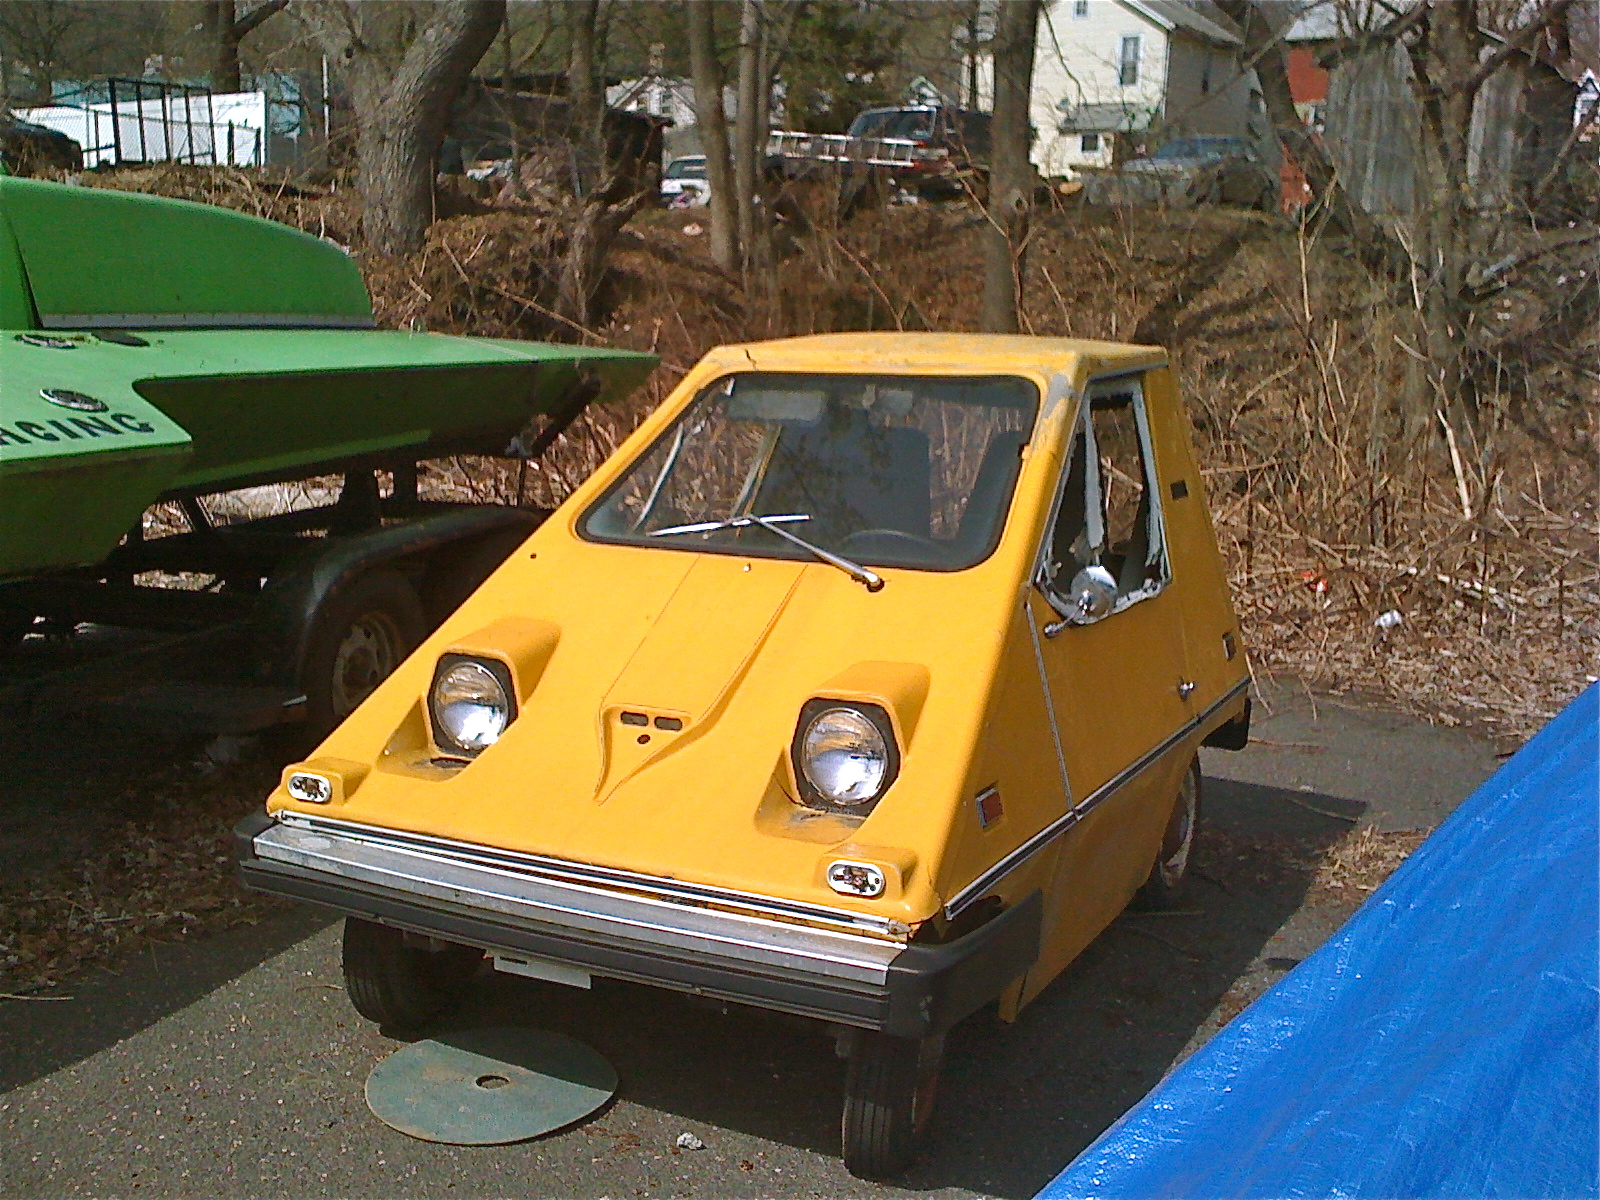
(1091,595)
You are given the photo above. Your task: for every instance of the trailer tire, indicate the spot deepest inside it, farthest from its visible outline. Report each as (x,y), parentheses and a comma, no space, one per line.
(889,1091)
(363,634)
(398,986)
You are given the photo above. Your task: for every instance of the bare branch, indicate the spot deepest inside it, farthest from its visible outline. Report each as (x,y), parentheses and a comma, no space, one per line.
(252,20)
(1580,130)
(1386,35)
(1518,43)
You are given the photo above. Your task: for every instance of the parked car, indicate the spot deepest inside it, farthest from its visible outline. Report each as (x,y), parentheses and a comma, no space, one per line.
(684,183)
(864,683)
(950,146)
(1204,169)
(25,148)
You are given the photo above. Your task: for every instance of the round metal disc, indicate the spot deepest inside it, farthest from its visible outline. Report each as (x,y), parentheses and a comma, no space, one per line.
(486,1087)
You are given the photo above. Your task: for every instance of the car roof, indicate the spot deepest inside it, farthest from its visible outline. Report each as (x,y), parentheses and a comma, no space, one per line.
(949,353)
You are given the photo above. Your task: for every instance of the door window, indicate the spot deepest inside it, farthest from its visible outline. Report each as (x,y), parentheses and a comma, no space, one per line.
(1108,536)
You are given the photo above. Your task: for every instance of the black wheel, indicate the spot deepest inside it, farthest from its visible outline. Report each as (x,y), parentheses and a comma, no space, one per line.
(12,630)
(398,986)
(362,635)
(1170,871)
(890,1087)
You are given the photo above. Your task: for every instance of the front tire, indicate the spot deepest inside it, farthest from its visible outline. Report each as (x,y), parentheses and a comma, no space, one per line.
(889,1092)
(399,986)
(1170,871)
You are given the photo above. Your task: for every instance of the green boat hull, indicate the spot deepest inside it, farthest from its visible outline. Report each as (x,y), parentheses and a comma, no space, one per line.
(111,397)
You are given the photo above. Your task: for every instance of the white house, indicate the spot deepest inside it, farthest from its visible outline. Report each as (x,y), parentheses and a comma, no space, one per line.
(1104,68)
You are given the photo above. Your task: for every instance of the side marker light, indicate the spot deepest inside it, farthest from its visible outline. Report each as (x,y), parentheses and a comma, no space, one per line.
(855,879)
(990,809)
(309,788)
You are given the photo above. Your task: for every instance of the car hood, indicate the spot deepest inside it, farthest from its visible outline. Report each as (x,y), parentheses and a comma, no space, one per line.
(1168,166)
(660,692)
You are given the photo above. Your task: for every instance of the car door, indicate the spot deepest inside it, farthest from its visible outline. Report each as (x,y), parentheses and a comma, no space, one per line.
(1109,637)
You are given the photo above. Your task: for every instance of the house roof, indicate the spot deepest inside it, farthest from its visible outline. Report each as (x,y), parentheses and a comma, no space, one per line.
(1171,15)
(1103,118)
(1313,21)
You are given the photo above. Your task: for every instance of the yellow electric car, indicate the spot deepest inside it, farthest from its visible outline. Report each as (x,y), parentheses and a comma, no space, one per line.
(865,682)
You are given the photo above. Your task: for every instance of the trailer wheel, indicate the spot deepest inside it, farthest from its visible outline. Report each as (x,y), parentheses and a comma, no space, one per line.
(362,635)
(13,630)
(1170,871)
(889,1091)
(398,986)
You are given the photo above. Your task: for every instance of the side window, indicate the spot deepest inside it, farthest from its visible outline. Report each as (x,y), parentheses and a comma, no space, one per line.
(1108,549)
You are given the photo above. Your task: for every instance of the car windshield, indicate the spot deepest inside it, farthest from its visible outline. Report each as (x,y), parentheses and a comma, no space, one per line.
(686,168)
(894,471)
(913,124)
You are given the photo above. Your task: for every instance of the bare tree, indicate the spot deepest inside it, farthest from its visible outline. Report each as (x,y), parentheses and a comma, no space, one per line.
(610,188)
(223,19)
(1011,179)
(41,36)
(403,81)
(706,70)
(1456,251)
(745,162)
(1374,245)
(584,87)
(765,27)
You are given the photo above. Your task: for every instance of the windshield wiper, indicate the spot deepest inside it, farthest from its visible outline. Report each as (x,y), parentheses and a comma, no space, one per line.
(774,524)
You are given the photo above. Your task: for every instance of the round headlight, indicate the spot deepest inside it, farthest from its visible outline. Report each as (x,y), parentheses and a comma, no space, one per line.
(470,705)
(844,756)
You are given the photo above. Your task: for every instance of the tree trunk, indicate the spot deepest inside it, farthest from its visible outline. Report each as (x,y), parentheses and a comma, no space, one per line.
(402,110)
(745,151)
(706,70)
(225,75)
(588,98)
(1442,63)
(1011,177)
(222,17)
(606,209)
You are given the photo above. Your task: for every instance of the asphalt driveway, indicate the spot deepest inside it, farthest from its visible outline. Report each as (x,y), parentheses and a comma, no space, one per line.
(234,1066)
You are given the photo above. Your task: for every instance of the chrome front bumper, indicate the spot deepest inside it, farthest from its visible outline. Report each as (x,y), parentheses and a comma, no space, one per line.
(836,965)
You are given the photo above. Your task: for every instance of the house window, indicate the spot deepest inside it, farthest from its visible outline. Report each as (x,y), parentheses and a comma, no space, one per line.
(1091,143)
(1128,61)
(1108,523)
(1080,8)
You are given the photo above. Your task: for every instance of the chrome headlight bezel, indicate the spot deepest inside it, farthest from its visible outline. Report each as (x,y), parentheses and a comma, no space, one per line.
(810,795)
(501,675)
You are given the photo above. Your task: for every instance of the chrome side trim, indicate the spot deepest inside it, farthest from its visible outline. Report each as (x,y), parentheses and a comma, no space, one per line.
(592,913)
(979,886)
(204,321)
(610,877)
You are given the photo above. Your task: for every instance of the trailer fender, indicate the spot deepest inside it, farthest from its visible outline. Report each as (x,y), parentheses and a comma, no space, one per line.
(294,599)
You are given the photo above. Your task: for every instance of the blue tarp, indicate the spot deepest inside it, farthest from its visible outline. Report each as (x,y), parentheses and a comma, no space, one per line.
(1441,1044)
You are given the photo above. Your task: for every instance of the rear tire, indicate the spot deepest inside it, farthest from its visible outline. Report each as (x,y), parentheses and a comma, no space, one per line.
(402,987)
(889,1092)
(1170,871)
